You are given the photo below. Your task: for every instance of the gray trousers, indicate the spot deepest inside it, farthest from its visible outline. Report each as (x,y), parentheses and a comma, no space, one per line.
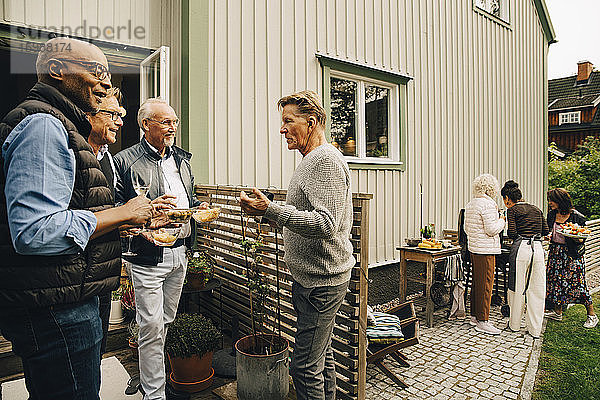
(313,367)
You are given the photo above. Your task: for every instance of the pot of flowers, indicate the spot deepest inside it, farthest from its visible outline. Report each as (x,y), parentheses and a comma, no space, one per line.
(199,269)
(134,330)
(116,312)
(190,342)
(262,362)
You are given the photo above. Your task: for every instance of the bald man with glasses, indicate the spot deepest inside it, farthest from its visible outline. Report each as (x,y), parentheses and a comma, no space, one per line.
(59,235)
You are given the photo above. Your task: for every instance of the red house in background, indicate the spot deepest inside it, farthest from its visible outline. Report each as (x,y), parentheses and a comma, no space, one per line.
(573,112)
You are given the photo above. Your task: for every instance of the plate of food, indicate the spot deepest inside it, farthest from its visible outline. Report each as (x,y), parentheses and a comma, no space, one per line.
(165,236)
(179,215)
(430,244)
(574,231)
(208,215)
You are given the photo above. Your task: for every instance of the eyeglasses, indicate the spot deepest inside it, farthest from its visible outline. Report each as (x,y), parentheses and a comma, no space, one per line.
(95,68)
(114,115)
(166,122)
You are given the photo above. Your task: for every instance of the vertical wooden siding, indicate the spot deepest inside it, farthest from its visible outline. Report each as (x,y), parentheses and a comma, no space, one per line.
(477,102)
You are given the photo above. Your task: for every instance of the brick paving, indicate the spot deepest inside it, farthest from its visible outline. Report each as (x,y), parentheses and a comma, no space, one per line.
(453,361)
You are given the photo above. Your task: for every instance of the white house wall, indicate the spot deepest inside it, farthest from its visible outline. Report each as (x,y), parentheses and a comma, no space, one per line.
(476,103)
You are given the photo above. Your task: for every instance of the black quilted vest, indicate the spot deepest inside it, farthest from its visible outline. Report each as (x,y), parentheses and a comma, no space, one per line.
(41,281)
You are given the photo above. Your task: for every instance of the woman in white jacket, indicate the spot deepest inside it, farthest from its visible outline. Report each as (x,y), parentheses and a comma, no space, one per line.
(482,226)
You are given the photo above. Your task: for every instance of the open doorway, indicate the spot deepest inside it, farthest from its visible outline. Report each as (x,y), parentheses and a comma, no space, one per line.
(125,75)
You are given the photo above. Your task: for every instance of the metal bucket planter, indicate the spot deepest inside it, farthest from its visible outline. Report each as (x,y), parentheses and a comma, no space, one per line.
(262,376)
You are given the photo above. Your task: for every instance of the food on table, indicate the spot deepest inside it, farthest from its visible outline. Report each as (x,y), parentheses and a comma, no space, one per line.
(430,244)
(179,216)
(571,229)
(162,237)
(208,215)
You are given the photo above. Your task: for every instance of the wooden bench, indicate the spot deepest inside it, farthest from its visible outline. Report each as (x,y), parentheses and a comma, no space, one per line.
(376,353)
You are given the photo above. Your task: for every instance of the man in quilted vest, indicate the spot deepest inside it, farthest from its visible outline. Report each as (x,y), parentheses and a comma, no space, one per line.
(58,227)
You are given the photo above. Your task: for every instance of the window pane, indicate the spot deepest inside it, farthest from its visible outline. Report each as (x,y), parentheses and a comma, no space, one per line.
(343,115)
(376,120)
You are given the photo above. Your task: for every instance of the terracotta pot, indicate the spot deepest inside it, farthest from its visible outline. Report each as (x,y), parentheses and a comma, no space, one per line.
(192,374)
(196,281)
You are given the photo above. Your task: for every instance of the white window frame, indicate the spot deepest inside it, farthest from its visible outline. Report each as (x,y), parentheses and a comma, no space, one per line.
(361,132)
(573,117)
(482,6)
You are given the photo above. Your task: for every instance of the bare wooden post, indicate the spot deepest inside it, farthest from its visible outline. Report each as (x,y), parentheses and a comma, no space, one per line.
(363,298)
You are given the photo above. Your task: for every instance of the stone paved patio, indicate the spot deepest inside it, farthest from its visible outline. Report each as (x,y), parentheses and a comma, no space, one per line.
(453,361)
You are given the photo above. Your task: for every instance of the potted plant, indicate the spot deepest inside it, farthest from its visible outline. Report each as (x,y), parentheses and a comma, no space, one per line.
(261,358)
(116,312)
(199,269)
(190,342)
(134,330)
(128,298)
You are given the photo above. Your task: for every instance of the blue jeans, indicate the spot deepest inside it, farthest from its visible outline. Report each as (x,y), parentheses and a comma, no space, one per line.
(59,347)
(313,366)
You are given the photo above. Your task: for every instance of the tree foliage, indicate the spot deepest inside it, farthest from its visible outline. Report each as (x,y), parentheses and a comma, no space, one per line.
(579,174)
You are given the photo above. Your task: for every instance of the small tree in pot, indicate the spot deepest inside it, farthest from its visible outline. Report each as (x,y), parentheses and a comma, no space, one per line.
(261,358)
(190,342)
(199,269)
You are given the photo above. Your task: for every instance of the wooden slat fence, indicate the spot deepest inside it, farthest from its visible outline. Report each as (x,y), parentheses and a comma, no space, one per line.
(222,240)
(592,246)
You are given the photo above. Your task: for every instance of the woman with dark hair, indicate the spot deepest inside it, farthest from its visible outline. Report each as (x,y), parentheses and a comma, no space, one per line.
(566,265)
(527,274)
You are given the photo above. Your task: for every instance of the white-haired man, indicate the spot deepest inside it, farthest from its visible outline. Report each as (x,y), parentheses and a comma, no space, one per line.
(157,272)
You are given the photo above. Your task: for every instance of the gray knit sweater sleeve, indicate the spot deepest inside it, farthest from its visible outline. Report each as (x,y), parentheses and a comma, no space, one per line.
(317,219)
(325,185)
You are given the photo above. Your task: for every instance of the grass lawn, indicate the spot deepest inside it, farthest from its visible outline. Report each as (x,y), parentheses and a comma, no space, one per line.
(570,360)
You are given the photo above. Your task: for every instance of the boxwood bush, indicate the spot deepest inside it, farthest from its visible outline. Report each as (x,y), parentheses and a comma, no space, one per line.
(191,334)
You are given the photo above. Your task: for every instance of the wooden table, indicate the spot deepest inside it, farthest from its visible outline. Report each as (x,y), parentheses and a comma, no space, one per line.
(429,258)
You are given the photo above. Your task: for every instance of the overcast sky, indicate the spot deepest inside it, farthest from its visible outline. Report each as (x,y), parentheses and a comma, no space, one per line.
(577,27)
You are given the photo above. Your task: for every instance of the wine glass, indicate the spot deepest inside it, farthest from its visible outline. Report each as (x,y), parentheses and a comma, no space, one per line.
(141,183)
(129,234)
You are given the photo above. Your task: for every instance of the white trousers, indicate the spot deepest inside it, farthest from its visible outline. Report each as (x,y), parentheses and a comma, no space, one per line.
(536,291)
(157,292)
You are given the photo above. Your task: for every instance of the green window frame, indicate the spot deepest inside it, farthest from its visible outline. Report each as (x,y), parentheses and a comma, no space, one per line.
(337,68)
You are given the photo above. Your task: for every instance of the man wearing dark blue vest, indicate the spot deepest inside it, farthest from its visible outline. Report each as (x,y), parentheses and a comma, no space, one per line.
(58,228)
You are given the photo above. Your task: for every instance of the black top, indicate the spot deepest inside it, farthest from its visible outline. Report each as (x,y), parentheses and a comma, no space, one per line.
(526,220)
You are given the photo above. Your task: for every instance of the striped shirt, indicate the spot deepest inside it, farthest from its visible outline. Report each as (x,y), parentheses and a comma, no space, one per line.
(526,220)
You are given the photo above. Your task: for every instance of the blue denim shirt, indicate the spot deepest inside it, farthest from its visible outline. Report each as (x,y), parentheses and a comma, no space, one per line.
(40,174)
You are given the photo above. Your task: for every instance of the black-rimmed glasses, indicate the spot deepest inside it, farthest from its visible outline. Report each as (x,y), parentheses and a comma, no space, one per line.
(100,71)
(166,122)
(114,115)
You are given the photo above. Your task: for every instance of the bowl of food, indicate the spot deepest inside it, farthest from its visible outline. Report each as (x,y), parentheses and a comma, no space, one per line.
(165,236)
(179,215)
(413,242)
(208,215)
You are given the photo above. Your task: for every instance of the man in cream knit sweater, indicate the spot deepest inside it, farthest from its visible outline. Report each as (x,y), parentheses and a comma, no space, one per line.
(316,221)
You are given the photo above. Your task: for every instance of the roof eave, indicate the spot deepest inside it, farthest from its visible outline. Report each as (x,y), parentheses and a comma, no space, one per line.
(544,16)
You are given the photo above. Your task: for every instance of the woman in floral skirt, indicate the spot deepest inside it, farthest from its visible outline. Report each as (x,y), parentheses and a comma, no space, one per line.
(566,265)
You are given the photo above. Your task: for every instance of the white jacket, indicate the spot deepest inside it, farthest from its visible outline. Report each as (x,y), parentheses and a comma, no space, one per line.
(482,225)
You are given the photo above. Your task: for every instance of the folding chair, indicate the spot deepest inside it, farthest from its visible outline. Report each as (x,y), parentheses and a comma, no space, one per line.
(376,352)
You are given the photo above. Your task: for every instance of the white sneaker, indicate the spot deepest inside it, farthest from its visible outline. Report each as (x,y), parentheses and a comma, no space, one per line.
(592,321)
(487,327)
(473,321)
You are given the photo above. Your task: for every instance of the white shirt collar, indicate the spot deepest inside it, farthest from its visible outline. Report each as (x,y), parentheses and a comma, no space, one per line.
(167,150)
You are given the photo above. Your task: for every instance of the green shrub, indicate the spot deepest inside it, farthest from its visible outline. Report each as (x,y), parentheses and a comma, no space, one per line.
(191,334)
(579,174)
